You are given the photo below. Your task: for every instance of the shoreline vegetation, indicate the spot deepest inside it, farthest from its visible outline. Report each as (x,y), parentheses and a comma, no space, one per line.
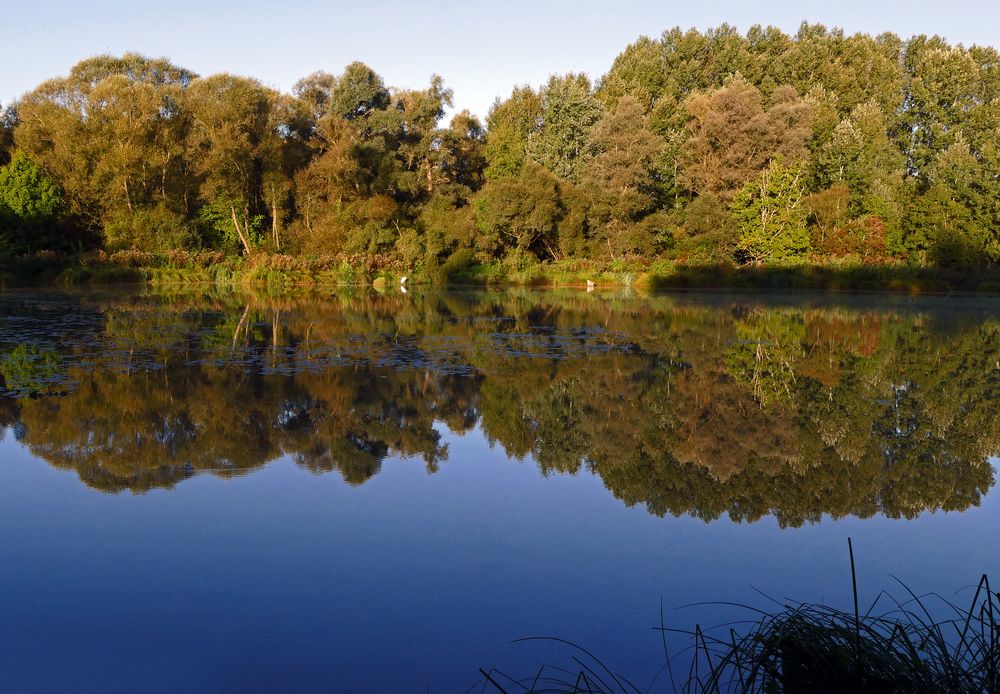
(700,159)
(906,643)
(287,274)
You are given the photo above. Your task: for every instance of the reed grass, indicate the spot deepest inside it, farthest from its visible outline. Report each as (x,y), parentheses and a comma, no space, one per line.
(901,643)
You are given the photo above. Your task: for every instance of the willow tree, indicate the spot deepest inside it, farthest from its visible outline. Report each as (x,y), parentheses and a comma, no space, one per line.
(731,137)
(232,145)
(111,133)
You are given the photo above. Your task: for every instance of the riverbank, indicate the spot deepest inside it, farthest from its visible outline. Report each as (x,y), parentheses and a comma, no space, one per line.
(281,273)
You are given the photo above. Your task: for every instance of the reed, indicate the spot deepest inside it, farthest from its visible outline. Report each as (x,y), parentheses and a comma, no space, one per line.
(901,643)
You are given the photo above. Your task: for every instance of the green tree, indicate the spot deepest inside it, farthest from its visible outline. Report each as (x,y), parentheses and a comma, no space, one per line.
(520,212)
(569,112)
(770,215)
(358,92)
(638,72)
(31,202)
(509,125)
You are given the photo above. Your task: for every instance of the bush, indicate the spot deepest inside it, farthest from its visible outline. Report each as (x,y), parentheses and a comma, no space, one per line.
(155,230)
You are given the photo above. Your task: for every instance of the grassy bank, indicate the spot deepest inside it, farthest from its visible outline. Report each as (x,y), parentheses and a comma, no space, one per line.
(280,273)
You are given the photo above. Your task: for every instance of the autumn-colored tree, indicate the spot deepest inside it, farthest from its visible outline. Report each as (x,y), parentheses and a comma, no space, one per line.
(731,137)
(622,174)
(232,143)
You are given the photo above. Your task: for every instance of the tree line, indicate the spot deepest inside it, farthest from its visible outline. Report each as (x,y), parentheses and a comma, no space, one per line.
(751,148)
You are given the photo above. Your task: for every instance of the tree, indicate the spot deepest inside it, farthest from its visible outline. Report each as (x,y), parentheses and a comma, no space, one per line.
(30,201)
(112,133)
(520,212)
(357,93)
(462,147)
(638,72)
(8,121)
(861,156)
(315,91)
(731,138)
(509,125)
(569,112)
(770,215)
(622,172)
(943,88)
(419,150)
(232,144)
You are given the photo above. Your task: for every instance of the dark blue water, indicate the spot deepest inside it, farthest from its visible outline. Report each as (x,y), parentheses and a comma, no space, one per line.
(273,576)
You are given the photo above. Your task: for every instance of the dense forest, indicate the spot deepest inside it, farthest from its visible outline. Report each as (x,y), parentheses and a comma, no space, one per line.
(755,149)
(745,409)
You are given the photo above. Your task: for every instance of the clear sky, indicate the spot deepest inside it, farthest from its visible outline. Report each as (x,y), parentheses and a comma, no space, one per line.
(481,49)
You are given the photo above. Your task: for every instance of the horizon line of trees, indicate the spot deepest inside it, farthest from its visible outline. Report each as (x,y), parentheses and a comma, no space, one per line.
(754,148)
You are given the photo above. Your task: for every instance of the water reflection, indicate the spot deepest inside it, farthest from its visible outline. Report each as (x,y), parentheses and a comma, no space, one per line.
(702,407)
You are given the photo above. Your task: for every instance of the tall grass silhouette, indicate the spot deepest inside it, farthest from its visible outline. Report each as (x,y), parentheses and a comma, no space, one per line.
(900,643)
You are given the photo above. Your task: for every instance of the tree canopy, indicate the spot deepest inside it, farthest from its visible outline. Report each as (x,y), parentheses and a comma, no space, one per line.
(893,141)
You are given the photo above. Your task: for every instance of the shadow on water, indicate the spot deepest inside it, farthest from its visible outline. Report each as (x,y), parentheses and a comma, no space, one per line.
(791,406)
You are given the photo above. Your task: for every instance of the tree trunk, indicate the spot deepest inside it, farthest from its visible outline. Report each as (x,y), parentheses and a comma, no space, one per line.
(240,232)
(128,196)
(274,222)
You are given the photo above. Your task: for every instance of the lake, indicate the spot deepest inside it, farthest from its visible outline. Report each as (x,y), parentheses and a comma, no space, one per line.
(381,492)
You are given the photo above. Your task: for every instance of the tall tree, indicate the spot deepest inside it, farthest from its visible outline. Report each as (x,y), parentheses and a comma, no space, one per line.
(569,112)
(232,144)
(639,71)
(509,124)
(731,137)
(112,134)
(622,172)
(861,156)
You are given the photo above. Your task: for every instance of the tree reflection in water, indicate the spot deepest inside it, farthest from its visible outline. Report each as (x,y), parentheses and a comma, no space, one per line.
(743,407)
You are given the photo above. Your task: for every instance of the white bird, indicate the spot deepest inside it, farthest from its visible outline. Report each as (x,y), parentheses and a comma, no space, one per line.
(591,284)
(402,280)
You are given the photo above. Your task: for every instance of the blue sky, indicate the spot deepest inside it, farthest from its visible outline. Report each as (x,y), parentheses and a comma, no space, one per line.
(481,49)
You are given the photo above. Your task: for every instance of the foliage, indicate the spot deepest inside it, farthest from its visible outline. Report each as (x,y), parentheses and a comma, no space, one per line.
(30,204)
(223,229)
(895,142)
(770,215)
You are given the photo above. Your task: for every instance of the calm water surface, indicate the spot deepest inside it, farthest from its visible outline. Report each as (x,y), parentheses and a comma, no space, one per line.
(378,493)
